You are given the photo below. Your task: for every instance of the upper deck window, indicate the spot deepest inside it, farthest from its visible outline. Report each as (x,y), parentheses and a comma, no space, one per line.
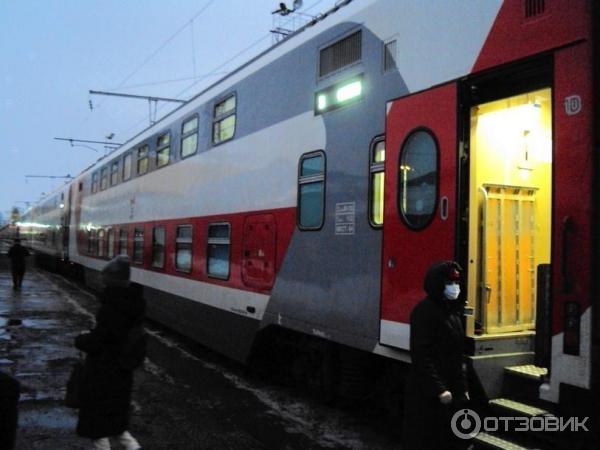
(224,120)
(114,173)
(342,53)
(94,183)
(104,178)
(126,167)
(189,137)
(163,149)
(142,160)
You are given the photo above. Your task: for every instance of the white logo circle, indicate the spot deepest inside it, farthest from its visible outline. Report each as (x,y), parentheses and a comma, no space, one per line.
(465,424)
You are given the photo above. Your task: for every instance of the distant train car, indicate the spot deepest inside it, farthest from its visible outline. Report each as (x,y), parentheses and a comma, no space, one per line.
(44,227)
(303,196)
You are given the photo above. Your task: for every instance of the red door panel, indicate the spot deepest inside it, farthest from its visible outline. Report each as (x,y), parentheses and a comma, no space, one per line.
(408,253)
(258,260)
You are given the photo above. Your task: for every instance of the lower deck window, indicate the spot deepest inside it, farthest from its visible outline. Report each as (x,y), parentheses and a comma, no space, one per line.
(158,247)
(138,246)
(217,253)
(101,243)
(183,248)
(111,243)
(122,241)
(91,235)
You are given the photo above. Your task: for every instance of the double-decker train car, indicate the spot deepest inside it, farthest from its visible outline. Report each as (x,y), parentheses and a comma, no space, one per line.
(303,196)
(44,227)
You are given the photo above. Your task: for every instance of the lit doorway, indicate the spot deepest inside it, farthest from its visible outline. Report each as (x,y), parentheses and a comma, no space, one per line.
(510,213)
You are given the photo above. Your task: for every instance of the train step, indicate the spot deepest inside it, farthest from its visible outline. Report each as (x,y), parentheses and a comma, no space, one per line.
(512,408)
(529,371)
(522,382)
(485,440)
(513,416)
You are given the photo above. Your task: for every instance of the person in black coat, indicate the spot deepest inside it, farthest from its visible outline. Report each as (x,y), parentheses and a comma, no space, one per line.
(437,383)
(114,348)
(17,254)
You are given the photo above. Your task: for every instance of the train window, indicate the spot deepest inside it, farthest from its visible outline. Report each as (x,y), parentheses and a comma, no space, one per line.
(101,243)
(94,183)
(389,55)
(110,238)
(224,120)
(123,241)
(126,175)
(163,150)
(142,160)
(183,248)
(138,245)
(377,175)
(158,247)
(417,179)
(311,191)
(217,261)
(189,137)
(104,178)
(114,173)
(90,242)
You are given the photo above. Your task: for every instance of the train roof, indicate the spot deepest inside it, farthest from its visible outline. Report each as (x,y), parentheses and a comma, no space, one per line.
(316,20)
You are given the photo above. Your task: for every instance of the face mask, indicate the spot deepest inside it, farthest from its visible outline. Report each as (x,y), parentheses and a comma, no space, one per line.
(452,291)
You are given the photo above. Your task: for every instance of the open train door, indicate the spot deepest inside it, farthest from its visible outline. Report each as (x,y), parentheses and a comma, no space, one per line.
(419,197)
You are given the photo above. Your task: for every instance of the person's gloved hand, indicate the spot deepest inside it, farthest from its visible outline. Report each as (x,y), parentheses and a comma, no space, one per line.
(445,398)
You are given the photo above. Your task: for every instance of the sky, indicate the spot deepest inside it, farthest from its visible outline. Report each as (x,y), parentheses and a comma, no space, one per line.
(53,52)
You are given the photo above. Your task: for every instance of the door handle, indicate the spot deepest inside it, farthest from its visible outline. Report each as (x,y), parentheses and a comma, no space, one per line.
(391,263)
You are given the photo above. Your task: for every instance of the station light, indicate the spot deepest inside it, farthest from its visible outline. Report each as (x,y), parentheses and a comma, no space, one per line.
(338,95)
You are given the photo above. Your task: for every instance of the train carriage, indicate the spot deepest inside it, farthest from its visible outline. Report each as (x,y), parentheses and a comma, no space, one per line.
(308,191)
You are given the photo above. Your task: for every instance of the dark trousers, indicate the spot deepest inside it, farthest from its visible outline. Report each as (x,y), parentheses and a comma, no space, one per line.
(17,274)
(9,398)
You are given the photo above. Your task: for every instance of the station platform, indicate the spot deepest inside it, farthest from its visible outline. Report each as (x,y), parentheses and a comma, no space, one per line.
(38,324)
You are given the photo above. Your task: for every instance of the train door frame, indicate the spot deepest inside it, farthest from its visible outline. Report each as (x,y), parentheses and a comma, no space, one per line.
(594,289)
(498,83)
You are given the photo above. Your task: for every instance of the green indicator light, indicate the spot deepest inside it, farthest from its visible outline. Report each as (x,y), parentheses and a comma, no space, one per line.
(321,102)
(349,91)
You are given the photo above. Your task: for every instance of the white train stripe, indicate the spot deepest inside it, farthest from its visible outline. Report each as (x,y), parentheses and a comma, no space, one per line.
(256,172)
(222,297)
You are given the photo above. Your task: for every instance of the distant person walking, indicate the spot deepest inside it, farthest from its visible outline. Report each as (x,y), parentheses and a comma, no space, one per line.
(114,348)
(437,383)
(17,254)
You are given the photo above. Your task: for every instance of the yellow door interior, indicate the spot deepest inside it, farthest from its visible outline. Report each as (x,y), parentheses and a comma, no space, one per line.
(510,213)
